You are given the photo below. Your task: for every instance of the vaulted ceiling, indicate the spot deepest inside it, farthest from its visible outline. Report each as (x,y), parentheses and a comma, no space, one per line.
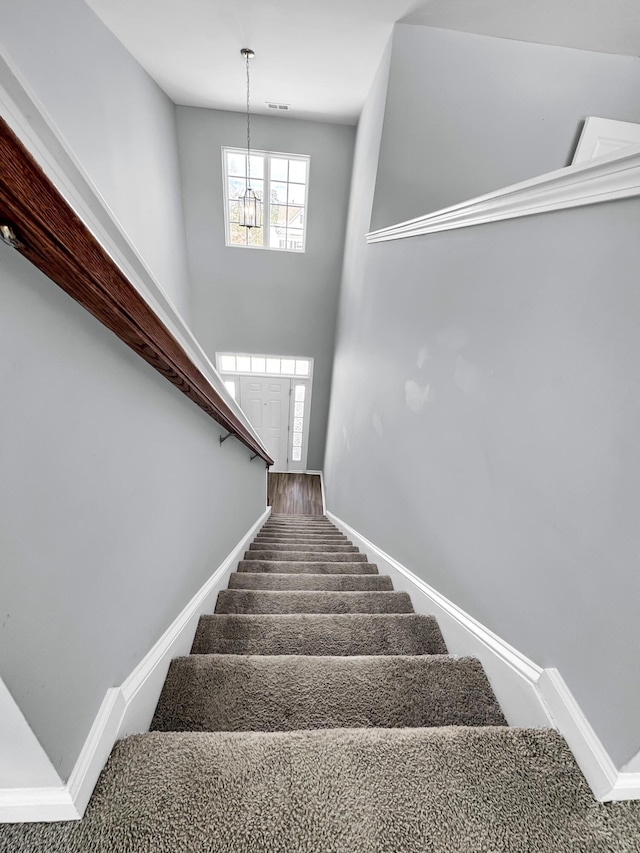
(320,56)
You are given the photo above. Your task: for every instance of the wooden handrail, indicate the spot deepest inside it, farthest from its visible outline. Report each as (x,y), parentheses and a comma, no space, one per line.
(56,241)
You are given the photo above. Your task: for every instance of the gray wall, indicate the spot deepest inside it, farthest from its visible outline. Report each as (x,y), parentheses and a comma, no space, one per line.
(116,504)
(469,114)
(247,300)
(484,426)
(117,122)
(116,500)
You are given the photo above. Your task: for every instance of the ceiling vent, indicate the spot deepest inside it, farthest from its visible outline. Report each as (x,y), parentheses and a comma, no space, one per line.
(285,108)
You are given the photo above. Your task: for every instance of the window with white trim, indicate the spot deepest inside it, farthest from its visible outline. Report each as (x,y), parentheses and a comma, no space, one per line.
(281,182)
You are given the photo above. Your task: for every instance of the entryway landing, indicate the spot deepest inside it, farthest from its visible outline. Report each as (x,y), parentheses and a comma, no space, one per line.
(298,494)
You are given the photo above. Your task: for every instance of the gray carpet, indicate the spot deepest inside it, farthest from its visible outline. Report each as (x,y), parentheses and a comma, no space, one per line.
(309,641)
(312,566)
(296,601)
(291,692)
(306,546)
(319,634)
(303,555)
(319,583)
(452,790)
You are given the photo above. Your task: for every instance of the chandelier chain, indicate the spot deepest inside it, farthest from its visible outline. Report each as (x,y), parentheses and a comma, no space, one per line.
(248,127)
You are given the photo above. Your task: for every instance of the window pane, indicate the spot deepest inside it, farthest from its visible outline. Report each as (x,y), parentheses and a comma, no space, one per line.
(295,219)
(237,187)
(279,169)
(227,362)
(257,364)
(230,385)
(297,454)
(297,194)
(297,424)
(288,365)
(278,192)
(299,393)
(244,364)
(257,166)
(257,187)
(297,439)
(273,365)
(238,235)
(234,211)
(302,367)
(298,410)
(236,163)
(277,218)
(255,236)
(298,171)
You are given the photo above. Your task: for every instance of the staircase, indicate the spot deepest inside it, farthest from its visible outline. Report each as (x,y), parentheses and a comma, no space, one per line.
(317,713)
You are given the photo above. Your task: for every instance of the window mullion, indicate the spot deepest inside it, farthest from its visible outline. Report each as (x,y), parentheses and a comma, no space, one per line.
(266,205)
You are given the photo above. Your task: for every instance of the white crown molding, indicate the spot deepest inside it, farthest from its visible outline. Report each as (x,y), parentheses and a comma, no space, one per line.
(528,694)
(607,178)
(125,710)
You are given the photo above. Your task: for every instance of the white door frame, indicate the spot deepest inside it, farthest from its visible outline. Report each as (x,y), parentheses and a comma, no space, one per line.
(306,381)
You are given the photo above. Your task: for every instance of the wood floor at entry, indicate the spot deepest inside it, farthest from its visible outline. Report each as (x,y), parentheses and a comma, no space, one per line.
(300,494)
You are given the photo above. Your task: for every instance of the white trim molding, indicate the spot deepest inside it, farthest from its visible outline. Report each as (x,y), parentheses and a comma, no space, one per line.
(607,178)
(125,710)
(529,695)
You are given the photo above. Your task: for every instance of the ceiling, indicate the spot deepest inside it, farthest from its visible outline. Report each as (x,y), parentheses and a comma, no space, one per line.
(320,56)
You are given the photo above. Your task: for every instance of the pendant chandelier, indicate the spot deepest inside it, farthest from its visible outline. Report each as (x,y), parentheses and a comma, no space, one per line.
(250,204)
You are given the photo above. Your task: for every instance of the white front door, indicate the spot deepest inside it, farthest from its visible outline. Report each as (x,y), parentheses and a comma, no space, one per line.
(266,402)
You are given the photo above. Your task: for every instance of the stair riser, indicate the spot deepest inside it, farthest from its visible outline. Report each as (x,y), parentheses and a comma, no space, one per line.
(319,634)
(289,693)
(307,567)
(259,601)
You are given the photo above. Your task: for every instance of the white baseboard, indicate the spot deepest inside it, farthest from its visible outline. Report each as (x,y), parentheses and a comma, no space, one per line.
(529,695)
(605,780)
(125,710)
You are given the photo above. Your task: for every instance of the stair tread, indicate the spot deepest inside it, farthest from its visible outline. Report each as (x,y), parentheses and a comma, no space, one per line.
(295,601)
(311,566)
(319,634)
(455,790)
(304,555)
(291,692)
(306,581)
(325,547)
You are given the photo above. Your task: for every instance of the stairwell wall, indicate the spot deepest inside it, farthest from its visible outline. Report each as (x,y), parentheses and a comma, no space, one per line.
(117,501)
(117,122)
(483,423)
(263,301)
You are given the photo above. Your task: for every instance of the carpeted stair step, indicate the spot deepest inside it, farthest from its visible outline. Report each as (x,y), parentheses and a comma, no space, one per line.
(304,546)
(318,583)
(267,601)
(302,555)
(455,790)
(319,634)
(296,528)
(302,566)
(291,692)
(316,538)
(315,522)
